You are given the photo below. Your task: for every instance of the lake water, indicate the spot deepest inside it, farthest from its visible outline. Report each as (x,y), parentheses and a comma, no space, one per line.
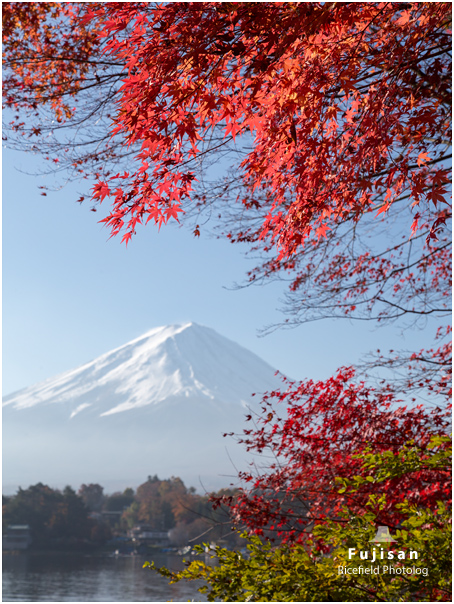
(80,578)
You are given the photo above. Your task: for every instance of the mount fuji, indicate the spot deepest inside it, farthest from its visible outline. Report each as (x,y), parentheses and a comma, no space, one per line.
(157,405)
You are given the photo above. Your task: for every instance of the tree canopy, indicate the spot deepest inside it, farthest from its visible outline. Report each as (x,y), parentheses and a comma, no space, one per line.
(311,434)
(52,515)
(344,114)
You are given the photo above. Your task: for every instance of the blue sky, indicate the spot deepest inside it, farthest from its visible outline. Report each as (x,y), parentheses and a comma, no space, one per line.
(70,293)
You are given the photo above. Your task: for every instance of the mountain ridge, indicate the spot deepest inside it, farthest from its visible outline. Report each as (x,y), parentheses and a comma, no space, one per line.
(163,400)
(163,351)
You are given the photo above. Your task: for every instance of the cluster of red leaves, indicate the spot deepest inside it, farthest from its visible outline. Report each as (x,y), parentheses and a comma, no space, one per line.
(339,88)
(48,53)
(345,105)
(311,433)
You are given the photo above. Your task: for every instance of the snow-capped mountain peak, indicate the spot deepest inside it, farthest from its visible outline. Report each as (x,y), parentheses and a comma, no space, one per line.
(158,404)
(166,362)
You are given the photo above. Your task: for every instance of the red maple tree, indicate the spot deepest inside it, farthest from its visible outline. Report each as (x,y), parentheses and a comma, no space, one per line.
(336,120)
(347,111)
(311,433)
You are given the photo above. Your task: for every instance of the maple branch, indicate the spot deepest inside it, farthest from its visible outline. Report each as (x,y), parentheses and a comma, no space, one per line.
(417,312)
(52,58)
(369,592)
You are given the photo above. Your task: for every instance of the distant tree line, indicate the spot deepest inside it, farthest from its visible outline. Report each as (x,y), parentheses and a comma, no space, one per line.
(91,517)
(56,518)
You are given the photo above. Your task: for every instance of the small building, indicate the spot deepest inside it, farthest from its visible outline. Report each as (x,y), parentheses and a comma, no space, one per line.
(17,537)
(145,534)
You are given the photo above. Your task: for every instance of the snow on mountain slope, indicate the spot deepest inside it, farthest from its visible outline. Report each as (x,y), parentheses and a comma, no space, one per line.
(158,404)
(184,361)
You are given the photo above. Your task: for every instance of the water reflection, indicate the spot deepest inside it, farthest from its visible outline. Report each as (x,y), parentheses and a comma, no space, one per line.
(79,578)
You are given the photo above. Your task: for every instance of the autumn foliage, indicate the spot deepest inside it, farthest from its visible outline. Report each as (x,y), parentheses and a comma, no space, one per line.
(310,434)
(346,111)
(335,119)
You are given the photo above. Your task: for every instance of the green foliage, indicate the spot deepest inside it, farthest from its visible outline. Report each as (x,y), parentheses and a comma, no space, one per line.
(410,459)
(51,514)
(311,572)
(117,502)
(92,495)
